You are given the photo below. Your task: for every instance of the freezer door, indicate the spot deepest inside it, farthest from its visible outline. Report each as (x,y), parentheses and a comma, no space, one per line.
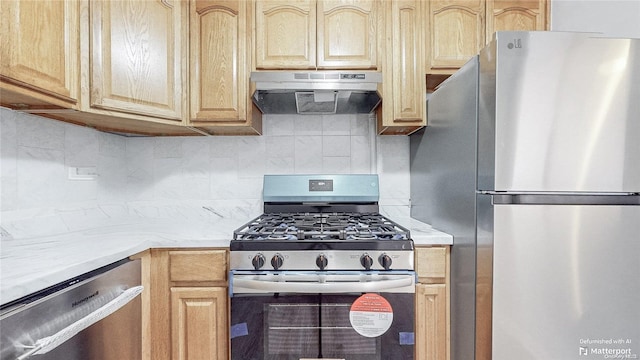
(559,112)
(565,282)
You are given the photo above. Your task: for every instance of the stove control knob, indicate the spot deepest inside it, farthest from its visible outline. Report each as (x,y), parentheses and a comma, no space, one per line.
(276,261)
(258,261)
(385,261)
(322,261)
(366,261)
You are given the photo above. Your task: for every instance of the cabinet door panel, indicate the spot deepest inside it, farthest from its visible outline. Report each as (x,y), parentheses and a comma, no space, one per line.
(137,57)
(39,48)
(515,15)
(431,330)
(219,70)
(408,79)
(403,86)
(285,34)
(347,34)
(199,323)
(456,32)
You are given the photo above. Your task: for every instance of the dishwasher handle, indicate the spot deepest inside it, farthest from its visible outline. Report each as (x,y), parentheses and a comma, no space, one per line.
(46,344)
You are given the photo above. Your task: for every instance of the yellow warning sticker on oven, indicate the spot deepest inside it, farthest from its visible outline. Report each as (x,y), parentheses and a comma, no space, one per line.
(371,315)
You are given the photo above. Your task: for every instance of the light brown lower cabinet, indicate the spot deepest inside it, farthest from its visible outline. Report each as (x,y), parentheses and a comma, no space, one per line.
(432,303)
(185,304)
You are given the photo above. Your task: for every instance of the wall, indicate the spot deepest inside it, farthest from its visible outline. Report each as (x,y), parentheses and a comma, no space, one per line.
(179,177)
(615,18)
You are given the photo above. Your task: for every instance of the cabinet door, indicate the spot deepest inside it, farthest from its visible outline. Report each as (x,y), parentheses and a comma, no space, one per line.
(456,32)
(431,322)
(408,62)
(219,61)
(285,34)
(136,57)
(403,107)
(199,323)
(515,15)
(39,48)
(347,34)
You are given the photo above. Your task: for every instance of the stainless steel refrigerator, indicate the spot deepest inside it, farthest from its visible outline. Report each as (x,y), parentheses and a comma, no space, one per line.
(531,160)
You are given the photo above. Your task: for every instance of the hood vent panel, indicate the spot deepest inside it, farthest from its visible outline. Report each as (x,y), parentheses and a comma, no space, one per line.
(316,102)
(316,92)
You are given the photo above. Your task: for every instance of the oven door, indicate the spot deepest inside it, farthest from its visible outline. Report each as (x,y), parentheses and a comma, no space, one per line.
(322,315)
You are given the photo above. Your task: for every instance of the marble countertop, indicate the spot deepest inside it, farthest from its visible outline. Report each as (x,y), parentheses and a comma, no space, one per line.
(28,265)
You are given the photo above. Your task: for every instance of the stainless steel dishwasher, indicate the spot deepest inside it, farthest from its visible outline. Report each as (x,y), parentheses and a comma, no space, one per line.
(95,316)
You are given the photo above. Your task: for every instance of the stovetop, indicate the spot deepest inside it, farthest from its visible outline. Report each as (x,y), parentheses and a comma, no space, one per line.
(321,226)
(297,231)
(321,241)
(321,222)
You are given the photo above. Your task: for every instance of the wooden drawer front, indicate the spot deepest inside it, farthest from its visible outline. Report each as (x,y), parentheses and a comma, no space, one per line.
(198,265)
(431,264)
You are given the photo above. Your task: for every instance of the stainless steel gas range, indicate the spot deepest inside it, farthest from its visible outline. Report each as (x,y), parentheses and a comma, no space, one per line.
(321,274)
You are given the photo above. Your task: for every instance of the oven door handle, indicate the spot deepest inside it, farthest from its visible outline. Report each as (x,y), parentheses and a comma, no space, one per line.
(319,284)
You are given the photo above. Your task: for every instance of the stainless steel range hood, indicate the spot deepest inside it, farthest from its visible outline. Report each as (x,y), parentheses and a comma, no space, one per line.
(316,92)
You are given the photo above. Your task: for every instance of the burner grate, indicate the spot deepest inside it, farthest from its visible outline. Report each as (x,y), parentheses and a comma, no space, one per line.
(320,227)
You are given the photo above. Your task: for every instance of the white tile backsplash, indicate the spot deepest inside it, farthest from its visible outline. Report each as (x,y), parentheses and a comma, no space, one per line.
(8,161)
(41,177)
(182,177)
(336,165)
(81,146)
(336,146)
(336,125)
(279,125)
(33,132)
(223,147)
(251,156)
(361,154)
(308,154)
(306,125)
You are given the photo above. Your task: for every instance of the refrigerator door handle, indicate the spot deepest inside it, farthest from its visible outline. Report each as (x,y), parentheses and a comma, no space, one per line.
(564,199)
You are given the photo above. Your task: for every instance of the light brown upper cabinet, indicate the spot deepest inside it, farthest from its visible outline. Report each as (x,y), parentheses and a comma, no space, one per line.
(309,34)
(456,32)
(347,34)
(220,45)
(137,51)
(516,15)
(459,29)
(39,54)
(403,85)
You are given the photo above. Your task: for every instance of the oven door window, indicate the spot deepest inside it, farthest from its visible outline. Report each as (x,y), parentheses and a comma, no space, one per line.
(293,327)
